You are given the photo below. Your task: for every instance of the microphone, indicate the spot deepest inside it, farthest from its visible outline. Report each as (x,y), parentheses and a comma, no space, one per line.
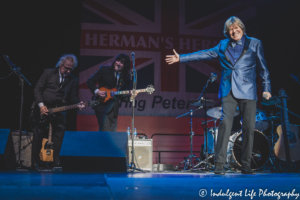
(133,64)
(132,55)
(213,77)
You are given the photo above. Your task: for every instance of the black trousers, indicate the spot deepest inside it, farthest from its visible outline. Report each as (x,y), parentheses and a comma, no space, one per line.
(108,122)
(41,131)
(248,111)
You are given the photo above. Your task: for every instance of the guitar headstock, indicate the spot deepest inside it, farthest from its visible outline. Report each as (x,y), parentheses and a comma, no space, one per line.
(93,103)
(150,89)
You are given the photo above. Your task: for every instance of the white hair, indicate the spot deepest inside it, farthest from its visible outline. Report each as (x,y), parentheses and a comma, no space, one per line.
(70,57)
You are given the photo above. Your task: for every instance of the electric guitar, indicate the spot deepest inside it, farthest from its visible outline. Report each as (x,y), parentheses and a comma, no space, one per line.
(110,93)
(292,133)
(46,153)
(43,118)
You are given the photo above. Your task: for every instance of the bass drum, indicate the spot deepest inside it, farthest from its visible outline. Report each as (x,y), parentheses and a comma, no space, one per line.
(260,152)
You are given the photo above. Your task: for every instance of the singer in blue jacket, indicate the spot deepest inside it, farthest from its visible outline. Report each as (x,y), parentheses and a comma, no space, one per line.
(241,58)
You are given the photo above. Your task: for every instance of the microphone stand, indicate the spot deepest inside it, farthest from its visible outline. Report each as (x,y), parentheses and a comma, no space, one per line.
(211,79)
(134,75)
(22,78)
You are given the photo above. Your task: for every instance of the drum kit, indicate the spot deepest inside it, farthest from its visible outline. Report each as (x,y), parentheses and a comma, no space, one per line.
(262,145)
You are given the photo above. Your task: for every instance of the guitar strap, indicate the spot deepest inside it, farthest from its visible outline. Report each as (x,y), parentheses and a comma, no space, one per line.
(119,81)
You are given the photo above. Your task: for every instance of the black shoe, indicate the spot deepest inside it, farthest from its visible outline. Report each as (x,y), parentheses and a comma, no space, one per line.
(57,164)
(56,169)
(219,169)
(34,167)
(247,170)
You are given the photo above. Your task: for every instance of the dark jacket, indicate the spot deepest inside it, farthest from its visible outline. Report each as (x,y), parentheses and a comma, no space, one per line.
(47,89)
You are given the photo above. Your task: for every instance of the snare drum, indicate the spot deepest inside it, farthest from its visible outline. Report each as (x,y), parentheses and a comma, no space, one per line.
(260,152)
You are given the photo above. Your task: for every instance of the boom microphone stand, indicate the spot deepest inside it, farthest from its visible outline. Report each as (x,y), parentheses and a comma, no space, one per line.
(211,79)
(134,74)
(22,78)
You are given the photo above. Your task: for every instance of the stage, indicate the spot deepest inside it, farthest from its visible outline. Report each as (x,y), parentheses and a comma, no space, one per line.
(37,34)
(137,185)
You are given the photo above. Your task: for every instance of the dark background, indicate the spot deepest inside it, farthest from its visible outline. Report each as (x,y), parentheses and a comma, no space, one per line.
(35,34)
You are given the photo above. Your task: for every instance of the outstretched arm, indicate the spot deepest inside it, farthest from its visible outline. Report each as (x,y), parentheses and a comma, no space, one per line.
(202,55)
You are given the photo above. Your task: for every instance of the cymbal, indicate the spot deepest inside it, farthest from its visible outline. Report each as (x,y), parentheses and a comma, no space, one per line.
(273,118)
(217,112)
(272,101)
(201,102)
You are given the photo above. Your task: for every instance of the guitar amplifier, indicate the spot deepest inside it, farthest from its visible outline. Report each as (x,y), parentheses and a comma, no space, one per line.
(26,145)
(142,153)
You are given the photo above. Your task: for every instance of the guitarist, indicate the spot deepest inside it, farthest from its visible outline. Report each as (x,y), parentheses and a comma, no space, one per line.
(56,87)
(116,75)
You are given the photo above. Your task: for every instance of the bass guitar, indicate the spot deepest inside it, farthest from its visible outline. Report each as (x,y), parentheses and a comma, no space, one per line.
(292,135)
(110,93)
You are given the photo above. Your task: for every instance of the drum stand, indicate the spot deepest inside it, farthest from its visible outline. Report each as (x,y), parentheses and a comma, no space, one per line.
(206,162)
(188,161)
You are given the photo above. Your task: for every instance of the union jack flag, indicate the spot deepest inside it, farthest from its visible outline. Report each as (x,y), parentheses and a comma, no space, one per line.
(152,29)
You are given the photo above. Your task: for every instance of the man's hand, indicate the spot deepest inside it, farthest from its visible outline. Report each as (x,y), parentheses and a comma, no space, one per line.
(101,94)
(135,94)
(171,59)
(44,110)
(268,95)
(81,105)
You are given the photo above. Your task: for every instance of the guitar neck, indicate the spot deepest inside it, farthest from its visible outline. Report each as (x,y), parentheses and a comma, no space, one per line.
(128,91)
(50,133)
(63,108)
(286,116)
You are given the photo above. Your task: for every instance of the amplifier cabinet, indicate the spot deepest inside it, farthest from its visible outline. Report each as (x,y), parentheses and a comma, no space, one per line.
(142,153)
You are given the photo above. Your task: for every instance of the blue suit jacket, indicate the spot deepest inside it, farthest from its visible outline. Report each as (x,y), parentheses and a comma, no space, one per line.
(241,77)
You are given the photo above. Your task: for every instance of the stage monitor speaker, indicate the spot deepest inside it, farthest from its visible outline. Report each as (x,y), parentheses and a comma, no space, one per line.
(7,152)
(142,153)
(94,151)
